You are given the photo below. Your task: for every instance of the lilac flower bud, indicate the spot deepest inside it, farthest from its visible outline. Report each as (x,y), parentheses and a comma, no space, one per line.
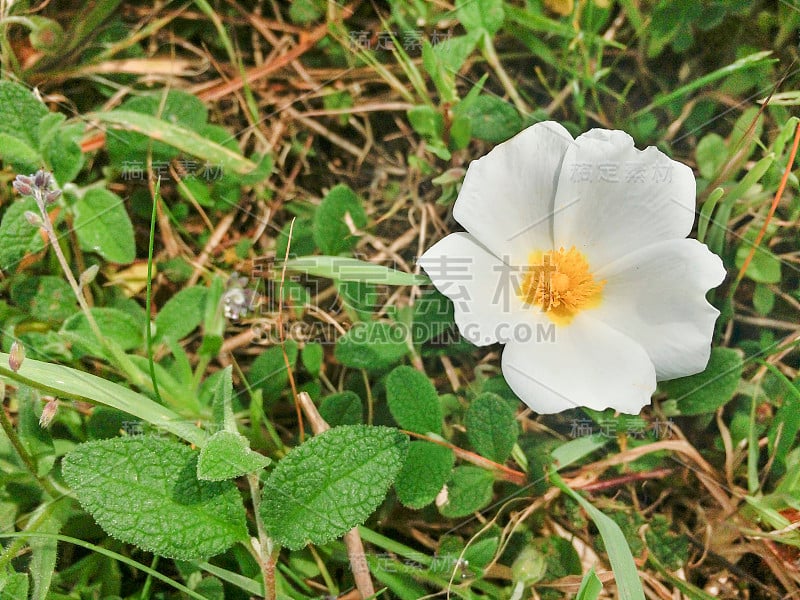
(48,413)
(42,179)
(51,196)
(23,188)
(32,218)
(16,356)
(88,275)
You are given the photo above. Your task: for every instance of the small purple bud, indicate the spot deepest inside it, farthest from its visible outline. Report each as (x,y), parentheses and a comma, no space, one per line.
(88,275)
(32,218)
(16,356)
(41,179)
(52,196)
(22,187)
(48,413)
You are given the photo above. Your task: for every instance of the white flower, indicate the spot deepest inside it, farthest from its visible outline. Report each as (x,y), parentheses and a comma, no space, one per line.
(575,257)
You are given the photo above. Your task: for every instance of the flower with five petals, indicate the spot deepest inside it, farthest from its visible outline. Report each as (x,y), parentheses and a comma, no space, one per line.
(576,258)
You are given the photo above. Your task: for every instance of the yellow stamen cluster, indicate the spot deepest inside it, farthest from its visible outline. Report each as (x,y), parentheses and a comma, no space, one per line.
(560,283)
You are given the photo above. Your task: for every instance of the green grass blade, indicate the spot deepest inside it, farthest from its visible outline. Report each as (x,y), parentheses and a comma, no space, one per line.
(352,269)
(65,382)
(181,138)
(629,587)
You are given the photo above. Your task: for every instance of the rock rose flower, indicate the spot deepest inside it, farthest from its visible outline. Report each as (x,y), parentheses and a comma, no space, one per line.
(576,258)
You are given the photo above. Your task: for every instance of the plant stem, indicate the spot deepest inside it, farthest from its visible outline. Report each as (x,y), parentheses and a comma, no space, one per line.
(118,356)
(265,555)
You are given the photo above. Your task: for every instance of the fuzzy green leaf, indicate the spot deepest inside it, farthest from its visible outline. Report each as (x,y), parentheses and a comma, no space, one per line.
(331,232)
(19,237)
(426,470)
(227,455)
(704,392)
(114,323)
(491,427)
(413,400)
(344,408)
(333,482)
(102,225)
(20,113)
(144,491)
(181,314)
(268,370)
(481,15)
(372,345)
(469,489)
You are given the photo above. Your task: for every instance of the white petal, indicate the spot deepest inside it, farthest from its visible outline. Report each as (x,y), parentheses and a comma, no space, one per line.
(482,288)
(587,364)
(613,199)
(657,297)
(506,200)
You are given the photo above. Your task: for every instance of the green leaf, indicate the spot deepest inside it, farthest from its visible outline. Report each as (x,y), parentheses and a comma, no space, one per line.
(427,468)
(302,241)
(312,357)
(480,15)
(117,325)
(493,119)
(782,434)
(67,383)
(64,154)
(629,587)
(181,138)
(426,121)
(102,225)
(333,482)
(413,401)
(181,314)
(591,586)
(705,392)
(344,408)
(19,237)
(268,370)
(14,586)
(468,490)
(331,232)
(372,345)
(44,552)
(144,491)
(227,455)
(221,403)
(711,154)
(765,267)
(16,152)
(47,298)
(341,268)
(492,428)
(443,61)
(20,113)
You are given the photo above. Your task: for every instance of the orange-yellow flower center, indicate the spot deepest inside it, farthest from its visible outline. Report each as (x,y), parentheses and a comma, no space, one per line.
(560,283)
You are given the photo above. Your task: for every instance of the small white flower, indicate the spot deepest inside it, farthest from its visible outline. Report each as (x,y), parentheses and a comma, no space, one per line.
(575,257)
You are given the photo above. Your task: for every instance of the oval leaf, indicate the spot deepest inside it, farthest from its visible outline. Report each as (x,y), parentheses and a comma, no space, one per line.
(413,401)
(144,491)
(102,225)
(491,427)
(426,470)
(330,484)
(227,455)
